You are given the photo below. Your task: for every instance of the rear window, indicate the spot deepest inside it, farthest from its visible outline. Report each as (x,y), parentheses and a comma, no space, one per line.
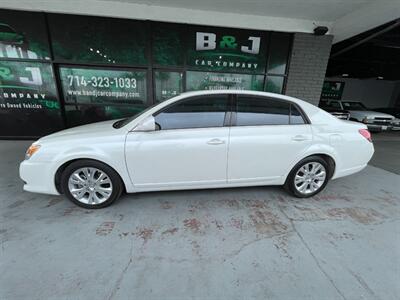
(295,115)
(253,111)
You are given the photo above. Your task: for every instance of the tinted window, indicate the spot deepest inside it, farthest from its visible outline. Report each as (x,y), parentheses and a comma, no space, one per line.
(23,35)
(223,81)
(98,40)
(354,106)
(295,115)
(168,84)
(330,104)
(279,52)
(199,112)
(274,84)
(261,111)
(93,85)
(28,99)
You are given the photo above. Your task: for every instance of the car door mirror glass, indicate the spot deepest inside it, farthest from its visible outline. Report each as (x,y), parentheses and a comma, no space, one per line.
(146,125)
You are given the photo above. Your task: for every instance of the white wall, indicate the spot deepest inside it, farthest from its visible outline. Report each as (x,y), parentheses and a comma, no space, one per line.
(371,92)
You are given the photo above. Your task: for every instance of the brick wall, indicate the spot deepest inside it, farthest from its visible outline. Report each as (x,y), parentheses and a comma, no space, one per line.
(308,62)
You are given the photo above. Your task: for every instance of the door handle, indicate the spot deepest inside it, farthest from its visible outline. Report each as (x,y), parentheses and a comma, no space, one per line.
(215,142)
(299,138)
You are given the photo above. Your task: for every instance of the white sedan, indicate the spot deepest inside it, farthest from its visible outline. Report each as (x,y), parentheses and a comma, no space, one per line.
(206,139)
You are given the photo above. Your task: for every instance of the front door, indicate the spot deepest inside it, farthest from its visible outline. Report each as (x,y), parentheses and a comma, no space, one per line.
(188,150)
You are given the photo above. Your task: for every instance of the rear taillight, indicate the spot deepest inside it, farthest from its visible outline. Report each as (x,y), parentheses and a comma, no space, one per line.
(365,133)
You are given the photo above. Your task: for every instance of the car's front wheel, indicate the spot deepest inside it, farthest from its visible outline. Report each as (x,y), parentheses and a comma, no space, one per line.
(91,184)
(308,177)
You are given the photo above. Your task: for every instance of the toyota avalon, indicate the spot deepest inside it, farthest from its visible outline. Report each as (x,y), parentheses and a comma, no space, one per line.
(198,140)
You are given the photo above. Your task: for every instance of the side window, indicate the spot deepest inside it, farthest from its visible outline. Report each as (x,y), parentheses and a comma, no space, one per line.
(295,115)
(329,104)
(198,112)
(252,110)
(335,105)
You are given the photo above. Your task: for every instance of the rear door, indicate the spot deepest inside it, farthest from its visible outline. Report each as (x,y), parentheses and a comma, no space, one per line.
(267,137)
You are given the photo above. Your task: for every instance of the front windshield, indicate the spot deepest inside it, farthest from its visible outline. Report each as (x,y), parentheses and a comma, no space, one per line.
(348,105)
(123,122)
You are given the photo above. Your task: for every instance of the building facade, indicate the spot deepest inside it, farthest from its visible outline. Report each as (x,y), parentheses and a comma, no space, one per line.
(62,70)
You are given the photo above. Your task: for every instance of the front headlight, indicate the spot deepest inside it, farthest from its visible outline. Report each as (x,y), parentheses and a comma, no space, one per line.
(396,122)
(31,150)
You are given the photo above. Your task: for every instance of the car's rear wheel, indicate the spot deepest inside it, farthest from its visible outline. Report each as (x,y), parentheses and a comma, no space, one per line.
(91,184)
(308,177)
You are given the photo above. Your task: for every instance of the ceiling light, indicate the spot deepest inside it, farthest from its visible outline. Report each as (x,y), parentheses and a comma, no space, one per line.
(345,75)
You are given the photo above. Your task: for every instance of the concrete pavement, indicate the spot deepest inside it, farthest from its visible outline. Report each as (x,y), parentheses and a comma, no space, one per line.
(245,243)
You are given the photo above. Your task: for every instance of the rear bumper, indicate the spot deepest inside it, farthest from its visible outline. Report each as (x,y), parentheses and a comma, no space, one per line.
(38,177)
(349,171)
(356,160)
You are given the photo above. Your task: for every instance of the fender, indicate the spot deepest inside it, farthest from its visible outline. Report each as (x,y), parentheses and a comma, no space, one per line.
(316,149)
(117,162)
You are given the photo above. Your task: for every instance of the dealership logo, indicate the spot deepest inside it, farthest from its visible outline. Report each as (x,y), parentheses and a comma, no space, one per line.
(34,78)
(225,52)
(208,41)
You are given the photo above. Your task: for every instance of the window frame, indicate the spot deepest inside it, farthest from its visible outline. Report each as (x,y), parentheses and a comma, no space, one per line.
(227,117)
(233,122)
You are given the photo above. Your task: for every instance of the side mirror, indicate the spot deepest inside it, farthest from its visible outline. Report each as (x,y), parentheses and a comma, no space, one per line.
(148,124)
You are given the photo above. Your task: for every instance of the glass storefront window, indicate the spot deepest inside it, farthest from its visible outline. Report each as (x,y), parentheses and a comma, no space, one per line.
(275,84)
(218,49)
(98,40)
(103,65)
(23,35)
(93,85)
(85,114)
(221,81)
(28,99)
(168,84)
(168,45)
(278,52)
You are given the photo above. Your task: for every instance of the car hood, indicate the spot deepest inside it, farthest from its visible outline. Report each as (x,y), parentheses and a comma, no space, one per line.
(370,114)
(89,130)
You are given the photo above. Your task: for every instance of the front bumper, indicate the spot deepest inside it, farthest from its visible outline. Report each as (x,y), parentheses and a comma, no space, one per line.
(38,177)
(375,127)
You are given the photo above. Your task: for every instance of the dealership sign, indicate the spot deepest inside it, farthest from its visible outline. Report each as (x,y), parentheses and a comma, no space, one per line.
(239,52)
(27,86)
(93,85)
(332,90)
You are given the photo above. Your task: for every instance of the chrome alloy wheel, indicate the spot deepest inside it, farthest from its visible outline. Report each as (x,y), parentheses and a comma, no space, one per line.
(309,178)
(90,186)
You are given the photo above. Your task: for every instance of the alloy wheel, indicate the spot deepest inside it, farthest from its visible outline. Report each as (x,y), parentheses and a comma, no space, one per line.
(309,178)
(90,185)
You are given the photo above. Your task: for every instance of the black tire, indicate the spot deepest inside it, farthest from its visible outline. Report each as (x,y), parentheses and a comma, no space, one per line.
(290,180)
(117,186)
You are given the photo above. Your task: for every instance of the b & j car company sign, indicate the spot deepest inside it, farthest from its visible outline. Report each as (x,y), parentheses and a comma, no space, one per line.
(28,99)
(237,51)
(27,86)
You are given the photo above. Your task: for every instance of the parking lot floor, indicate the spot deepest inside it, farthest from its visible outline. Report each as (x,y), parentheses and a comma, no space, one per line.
(243,243)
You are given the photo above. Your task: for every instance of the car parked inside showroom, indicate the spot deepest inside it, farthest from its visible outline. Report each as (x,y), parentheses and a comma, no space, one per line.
(334,109)
(376,121)
(204,139)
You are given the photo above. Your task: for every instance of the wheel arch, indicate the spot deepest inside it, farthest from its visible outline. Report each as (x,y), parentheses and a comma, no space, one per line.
(60,170)
(330,160)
